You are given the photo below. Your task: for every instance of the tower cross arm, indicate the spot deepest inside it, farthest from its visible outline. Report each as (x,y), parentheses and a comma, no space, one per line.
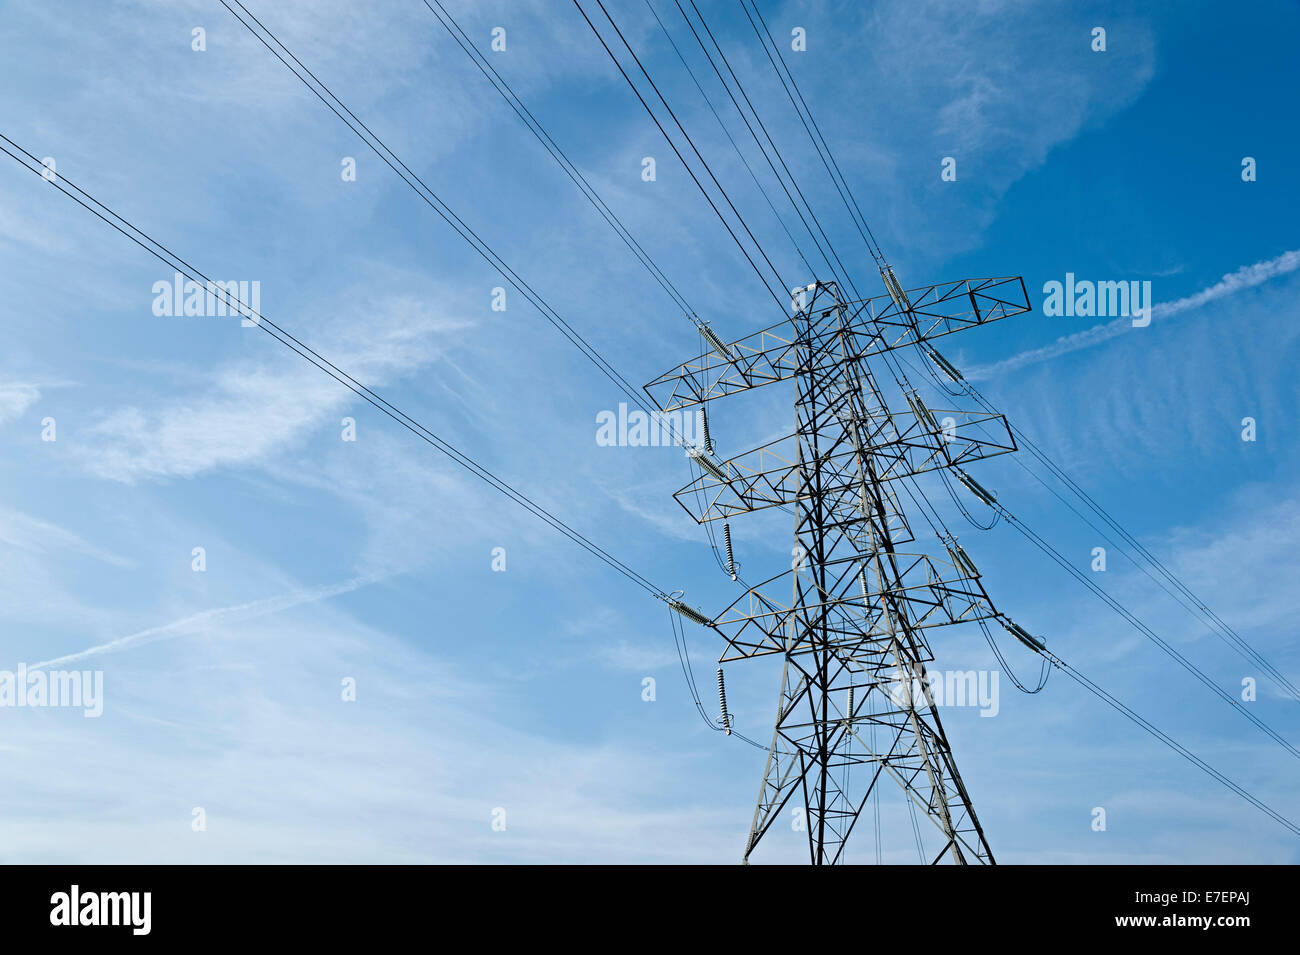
(770,476)
(876,325)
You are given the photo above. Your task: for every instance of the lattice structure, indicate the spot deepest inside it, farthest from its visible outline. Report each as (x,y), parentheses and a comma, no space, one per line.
(851,617)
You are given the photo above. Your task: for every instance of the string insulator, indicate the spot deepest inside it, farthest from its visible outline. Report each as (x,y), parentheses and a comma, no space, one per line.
(944,364)
(690,613)
(704,429)
(722,703)
(988,497)
(726,541)
(707,464)
(1023,635)
(895,290)
(849,712)
(962,560)
(717,344)
(922,414)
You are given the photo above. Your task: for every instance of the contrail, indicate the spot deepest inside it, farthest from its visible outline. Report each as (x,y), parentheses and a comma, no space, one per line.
(1244,277)
(196,623)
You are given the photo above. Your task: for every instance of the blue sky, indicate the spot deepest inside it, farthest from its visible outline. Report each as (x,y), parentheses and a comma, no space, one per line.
(372,559)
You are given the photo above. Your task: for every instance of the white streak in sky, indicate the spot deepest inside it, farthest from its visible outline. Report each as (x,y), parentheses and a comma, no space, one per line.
(1245,277)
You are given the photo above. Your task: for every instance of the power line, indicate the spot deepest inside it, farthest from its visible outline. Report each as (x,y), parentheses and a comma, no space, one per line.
(1181,593)
(692,688)
(175,262)
(169,258)
(281,335)
(1197,605)
(130,231)
(775,149)
(911,485)
(535,127)
(431,198)
(801,107)
(869,240)
(832,169)
(690,171)
(726,132)
(1173,744)
(868,237)
(1142,628)
(1247,652)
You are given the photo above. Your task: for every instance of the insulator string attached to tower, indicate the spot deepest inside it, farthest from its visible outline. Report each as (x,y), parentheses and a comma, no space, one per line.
(725,718)
(726,542)
(688,673)
(1044,672)
(703,416)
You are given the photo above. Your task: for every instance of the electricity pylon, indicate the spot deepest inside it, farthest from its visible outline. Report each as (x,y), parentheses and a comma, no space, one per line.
(855,706)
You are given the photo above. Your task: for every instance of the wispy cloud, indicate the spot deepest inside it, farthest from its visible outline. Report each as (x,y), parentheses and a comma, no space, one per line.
(1005,83)
(34,535)
(1245,277)
(250,410)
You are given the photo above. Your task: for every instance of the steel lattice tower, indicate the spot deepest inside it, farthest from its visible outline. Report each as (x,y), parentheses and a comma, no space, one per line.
(855,707)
